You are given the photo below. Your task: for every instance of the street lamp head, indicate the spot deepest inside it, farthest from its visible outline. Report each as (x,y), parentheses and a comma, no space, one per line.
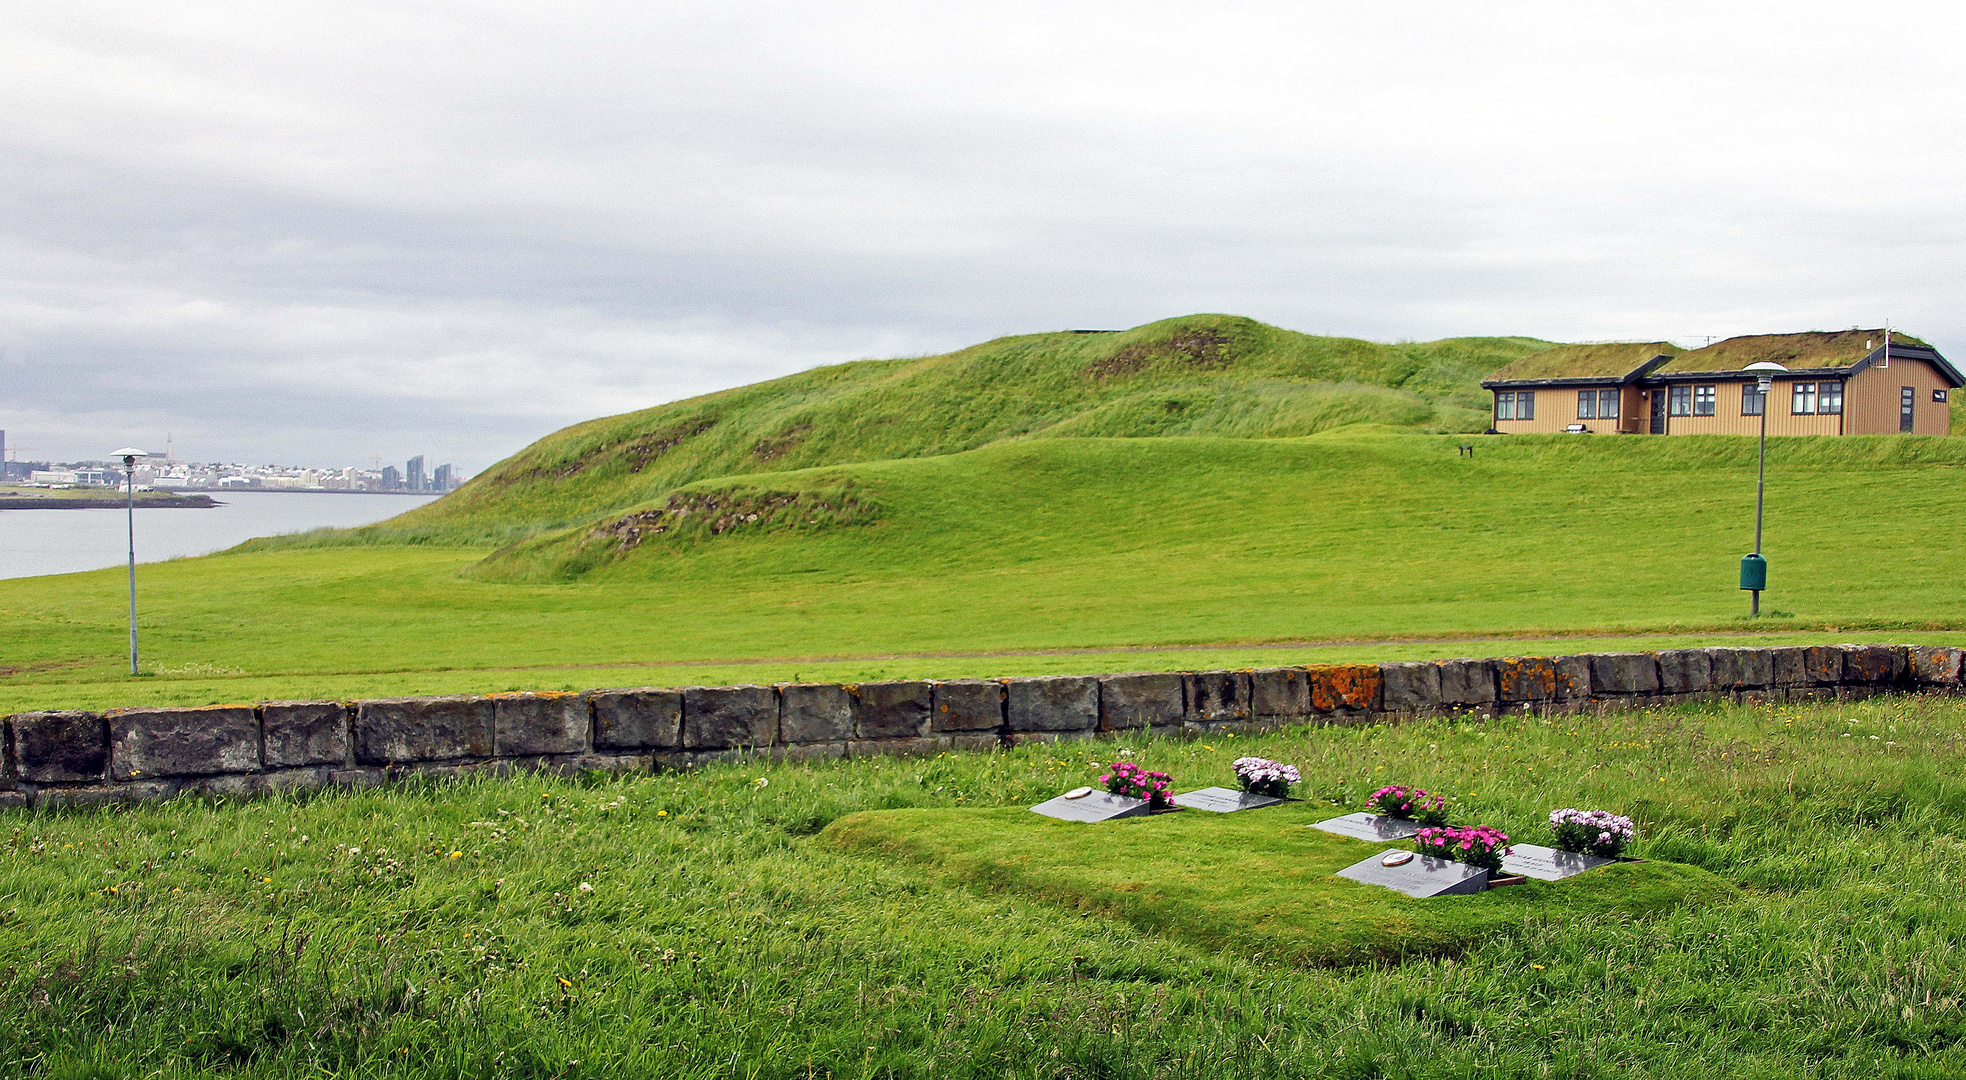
(1764,374)
(130,454)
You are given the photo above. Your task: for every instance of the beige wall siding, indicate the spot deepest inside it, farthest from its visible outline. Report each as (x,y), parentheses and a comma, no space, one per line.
(1556,410)
(1727,418)
(1871,399)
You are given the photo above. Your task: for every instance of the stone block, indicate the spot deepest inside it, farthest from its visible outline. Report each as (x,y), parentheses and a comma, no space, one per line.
(891,710)
(915,747)
(1685,671)
(1624,673)
(1215,696)
(814,713)
(967,705)
(294,734)
(392,730)
(969,742)
(1573,678)
(1280,692)
(1810,665)
(637,719)
(1060,703)
(1410,687)
(728,717)
(1873,665)
(1466,683)
(59,747)
(549,722)
(1141,700)
(1347,687)
(13,800)
(819,751)
(182,742)
(1525,678)
(1741,669)
(1935,665)
(109,794)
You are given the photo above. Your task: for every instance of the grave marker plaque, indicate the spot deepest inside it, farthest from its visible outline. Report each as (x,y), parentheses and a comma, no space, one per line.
(1373,827)
(1421,875)
(1221,800)
(1096,806)
(1549,864)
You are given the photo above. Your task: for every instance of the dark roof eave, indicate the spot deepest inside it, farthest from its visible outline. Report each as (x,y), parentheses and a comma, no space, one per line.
(1551,384)
(1748,376)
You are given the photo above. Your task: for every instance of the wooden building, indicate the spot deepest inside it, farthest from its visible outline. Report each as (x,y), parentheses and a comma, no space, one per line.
(1842,383)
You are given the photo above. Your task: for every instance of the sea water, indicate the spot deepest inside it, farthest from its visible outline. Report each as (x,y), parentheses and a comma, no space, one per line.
(64,541)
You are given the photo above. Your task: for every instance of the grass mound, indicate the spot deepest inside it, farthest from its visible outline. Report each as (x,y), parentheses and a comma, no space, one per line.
(1201,375)
(1258,882)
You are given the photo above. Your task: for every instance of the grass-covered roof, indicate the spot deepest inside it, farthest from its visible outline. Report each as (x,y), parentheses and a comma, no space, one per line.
(1815,349)
(1612,360)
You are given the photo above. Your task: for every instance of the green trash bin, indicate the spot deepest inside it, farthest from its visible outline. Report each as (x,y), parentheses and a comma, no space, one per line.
(1754,573)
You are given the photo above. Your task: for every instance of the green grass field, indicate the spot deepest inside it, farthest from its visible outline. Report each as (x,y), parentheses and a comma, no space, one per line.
(1081,551)
(707,925)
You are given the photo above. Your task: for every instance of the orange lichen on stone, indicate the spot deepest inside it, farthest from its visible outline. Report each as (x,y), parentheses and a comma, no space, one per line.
(1527,678)
(1348,686)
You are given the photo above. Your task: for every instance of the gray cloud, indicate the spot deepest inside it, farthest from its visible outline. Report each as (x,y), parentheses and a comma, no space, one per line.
(330,231)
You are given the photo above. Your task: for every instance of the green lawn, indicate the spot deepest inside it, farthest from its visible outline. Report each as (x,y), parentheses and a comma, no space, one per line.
(703,924)
(1103,545)
(1261,882)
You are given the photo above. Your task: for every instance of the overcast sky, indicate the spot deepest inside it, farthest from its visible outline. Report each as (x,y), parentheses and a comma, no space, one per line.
(323,231)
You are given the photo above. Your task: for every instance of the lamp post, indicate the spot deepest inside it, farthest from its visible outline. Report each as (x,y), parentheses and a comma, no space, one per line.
(1754,568)
(130,454)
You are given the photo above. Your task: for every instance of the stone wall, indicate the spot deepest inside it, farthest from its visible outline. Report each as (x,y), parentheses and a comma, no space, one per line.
(80,758)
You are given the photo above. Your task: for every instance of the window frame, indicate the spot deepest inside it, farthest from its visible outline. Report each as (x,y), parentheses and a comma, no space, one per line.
(1587,404)
(1706,399)
(1504,404)
(1679,399)
(1751,395)
(1824,392)
(1615,399)
(1801,394)
(1525,405)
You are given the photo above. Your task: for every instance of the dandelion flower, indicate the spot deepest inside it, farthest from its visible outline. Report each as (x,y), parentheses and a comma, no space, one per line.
(457,854)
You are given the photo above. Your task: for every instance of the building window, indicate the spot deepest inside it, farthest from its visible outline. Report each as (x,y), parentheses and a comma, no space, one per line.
(1682,400)
(1802,400)
(1703,400)
(1505,405)
(1525,405)
(1586,404)
(1607,404)
(1829,398)
(1753,401)
(1906,402)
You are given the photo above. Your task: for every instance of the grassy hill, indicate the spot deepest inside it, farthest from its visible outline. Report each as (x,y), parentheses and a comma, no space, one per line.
(1202,375)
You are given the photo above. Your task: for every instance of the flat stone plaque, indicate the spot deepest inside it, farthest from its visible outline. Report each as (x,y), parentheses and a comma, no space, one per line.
(1423,876)
(1548,864)
(1098,806)
(1223,800)
(1373,827)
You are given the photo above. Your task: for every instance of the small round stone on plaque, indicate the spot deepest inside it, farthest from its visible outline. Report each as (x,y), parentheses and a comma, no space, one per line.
(1396,858)
(1078,793)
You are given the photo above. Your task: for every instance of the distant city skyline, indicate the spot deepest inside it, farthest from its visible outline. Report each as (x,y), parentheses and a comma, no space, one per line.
(169,473)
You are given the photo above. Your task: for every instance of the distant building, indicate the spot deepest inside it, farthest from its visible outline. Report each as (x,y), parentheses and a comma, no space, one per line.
(391,479)
(416,481)
(1838,383)
(441,479)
